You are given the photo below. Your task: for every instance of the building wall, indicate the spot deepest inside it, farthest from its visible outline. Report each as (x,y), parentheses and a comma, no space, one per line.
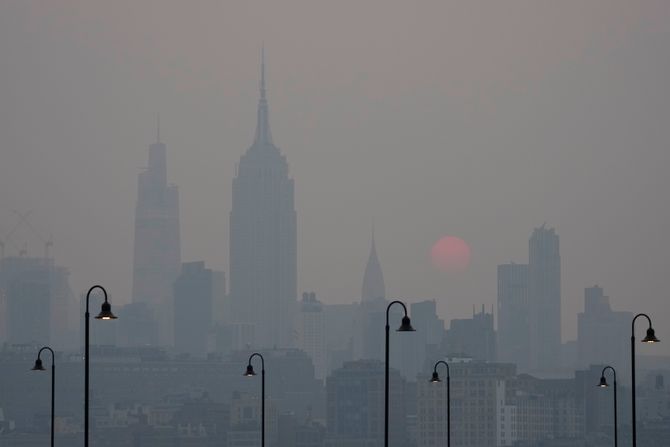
(544,294)
(355,405)
(513,315)
(477,399)
(193,296)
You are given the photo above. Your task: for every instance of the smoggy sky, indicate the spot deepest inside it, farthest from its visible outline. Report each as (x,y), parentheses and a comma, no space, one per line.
(479,119)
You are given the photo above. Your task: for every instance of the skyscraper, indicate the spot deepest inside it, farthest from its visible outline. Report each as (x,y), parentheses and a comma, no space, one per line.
(263,247)
(600,338)
(513,314)
(311,330)
(157,254)
(193,298)
(544,294)
(370,321)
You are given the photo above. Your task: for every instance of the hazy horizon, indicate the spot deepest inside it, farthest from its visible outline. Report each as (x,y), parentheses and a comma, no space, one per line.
(480,120)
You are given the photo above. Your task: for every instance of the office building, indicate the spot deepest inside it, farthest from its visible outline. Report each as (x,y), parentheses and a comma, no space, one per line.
(263,247)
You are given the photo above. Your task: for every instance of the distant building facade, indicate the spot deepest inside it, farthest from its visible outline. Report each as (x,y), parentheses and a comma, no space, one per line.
(479,414)
(602,336)
(513,315)
(37,301)
(547,408)
(193,298)
(421,347)
(355,406)
(263,239)
(157,248)
(474,337)
(544,295)
(312,332)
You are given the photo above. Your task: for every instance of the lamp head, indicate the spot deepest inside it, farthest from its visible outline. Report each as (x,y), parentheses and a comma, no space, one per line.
(250,371)
(603,382)
(106,312)
(651,336)
(435,378)
(406,325)
(38,365)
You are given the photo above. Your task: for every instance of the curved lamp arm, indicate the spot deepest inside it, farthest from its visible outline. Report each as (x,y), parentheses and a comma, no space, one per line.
(610,368)
(88,295)
(38,363)
(256,354)
(632,324)
(441,362)
(388,308)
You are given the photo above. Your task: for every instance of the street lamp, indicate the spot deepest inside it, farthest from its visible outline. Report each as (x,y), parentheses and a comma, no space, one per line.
(405,326)
(250,373)
(436,379)
(603,384)
(649,338)
(39,367)
(105,314)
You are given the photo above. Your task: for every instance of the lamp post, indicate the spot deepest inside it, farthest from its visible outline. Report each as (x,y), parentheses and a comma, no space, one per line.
(436,379)
(405,326)
(105,314)
(250,373)
(649,338)
(603,384)
(39,367)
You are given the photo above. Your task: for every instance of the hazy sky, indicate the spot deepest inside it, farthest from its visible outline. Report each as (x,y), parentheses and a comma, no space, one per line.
(480,119)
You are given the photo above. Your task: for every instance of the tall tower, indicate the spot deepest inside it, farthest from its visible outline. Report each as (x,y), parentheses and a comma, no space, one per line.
(373,279)
(263,246)
(544,295)
(157,257)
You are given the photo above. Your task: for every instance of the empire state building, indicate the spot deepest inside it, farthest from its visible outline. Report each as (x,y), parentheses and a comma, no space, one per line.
(263,247)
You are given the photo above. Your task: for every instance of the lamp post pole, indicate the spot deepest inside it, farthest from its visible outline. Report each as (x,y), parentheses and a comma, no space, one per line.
(603,383)
(404,327)
(250,372)
(39,367)
(435,379)
(105,314)
(649,338)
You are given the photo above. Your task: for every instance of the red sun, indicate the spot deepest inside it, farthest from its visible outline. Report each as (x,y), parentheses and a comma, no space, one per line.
(450,254)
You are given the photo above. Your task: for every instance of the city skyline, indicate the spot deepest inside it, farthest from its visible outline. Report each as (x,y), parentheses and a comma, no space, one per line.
(311,103)
(459,213)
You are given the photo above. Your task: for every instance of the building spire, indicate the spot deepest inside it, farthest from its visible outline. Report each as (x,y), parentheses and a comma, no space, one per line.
(263,135)
(262,86)
(158,127)
(373,279)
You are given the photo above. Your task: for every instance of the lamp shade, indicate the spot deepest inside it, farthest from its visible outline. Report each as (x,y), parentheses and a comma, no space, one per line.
(250,371)
(406,325)
(651,336)
(106,312)
(38,365)
(435,378)
(603,382)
